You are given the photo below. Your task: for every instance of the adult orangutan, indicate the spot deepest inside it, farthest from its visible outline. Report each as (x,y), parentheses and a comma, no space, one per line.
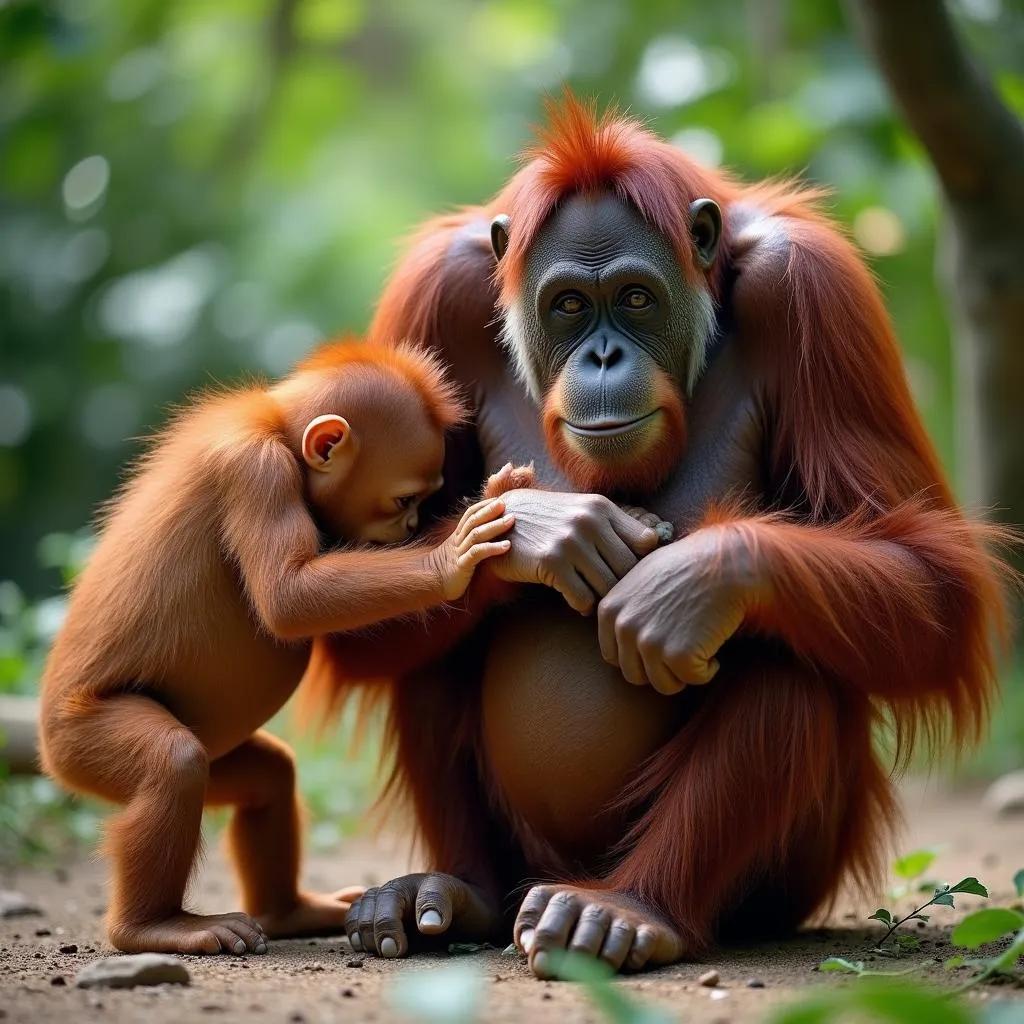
(696,761)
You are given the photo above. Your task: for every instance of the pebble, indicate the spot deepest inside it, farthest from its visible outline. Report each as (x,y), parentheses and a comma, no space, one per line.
(348,993)
(709,979)
(58,980)
(69,947)
(42,932)
(130,971)
(356,961)
(755,983)
(16,904)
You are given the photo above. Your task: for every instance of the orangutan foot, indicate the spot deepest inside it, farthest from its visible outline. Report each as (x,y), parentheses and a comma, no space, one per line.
(608,926)
(313,914)
(387,920)
(190,933)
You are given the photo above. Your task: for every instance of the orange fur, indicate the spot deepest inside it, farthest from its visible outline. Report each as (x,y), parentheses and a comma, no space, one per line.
(192,625)
(881,599)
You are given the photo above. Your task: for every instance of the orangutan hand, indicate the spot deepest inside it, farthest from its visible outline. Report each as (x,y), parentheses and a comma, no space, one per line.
(665,621)
(389,919)
(579,544)
(664,529)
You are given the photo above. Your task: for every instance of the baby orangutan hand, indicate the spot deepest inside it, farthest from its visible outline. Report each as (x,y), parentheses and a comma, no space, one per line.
(474,540)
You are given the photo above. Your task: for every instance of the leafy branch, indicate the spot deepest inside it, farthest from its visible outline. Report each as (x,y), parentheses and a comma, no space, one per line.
(943,898)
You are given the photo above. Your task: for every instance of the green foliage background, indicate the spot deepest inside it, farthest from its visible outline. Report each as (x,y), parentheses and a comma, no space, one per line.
(196,190)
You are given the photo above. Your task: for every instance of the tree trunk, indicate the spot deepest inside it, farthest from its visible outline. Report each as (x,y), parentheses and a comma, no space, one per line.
(976,145)
(18,744)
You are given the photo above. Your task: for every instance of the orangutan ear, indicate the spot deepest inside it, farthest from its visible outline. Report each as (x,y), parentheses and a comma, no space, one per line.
(499,235)
(325,442)
(705,230)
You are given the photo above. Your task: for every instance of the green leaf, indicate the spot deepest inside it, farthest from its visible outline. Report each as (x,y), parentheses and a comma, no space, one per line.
(837,963)
(914,864)
(1018,882)
(954,961)
(986,926)
(919,917)
(595,977)
(814,1010)
(970,885)
(463,948)
(882,915)
(511,950)
(902,1004)
(943,899)
(908,941)
(445,995)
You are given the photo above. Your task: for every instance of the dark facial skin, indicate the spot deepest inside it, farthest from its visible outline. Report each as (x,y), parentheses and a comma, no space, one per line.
(605,305)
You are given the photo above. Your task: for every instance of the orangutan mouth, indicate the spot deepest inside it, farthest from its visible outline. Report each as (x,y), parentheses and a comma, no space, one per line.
(609,428)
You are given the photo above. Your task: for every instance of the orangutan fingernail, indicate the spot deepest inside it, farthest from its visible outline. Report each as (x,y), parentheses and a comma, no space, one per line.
(430,919)
(542,964)
(388,947)
(526,940)
(357,943)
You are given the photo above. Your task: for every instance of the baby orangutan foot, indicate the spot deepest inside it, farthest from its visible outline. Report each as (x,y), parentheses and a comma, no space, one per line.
(191,933)
(609,926)
(313,914)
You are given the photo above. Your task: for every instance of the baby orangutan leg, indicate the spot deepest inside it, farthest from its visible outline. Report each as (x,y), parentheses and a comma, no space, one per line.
(131,750)
(264,840)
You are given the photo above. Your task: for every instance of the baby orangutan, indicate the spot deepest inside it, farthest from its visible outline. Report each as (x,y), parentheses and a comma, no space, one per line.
(192,625)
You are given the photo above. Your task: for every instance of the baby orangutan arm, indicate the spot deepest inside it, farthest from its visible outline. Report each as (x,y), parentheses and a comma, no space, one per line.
(298,592)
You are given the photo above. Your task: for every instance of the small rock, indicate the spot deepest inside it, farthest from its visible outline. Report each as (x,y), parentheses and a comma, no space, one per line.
(212,1008)
(41,932)
(15,904)
(1006,794)
(37,956)
(719,993)
(315,966)
(296,1018)
(547,995)
(709,979)
(348,993)
(130,971)
(356,961)
(69,947)
(58,980)
(755,983)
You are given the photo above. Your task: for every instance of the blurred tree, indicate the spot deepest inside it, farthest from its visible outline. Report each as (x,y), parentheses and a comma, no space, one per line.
(192,191)
(977,148)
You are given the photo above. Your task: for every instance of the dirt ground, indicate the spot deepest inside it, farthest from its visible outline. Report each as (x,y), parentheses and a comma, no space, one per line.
(313,981)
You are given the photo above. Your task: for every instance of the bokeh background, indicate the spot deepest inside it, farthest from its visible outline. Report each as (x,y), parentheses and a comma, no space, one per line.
(196,190)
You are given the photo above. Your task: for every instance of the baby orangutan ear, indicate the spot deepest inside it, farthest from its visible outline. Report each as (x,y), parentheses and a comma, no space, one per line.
(326,442)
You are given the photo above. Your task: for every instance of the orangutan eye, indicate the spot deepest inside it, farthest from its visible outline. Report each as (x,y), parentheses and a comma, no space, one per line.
(406,501)
(637,298)
(570,304)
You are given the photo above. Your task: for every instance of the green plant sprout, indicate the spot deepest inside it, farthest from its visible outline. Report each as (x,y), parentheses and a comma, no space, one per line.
(911,868)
